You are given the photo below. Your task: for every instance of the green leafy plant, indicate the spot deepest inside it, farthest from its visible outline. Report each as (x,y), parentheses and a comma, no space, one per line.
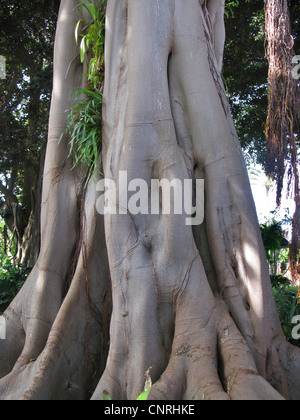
(92,42)
(273,235)
(230,5)
(84,126)
(12,278)
(106,396)
(84,119)
(274,240)
(286,297)
(144,395)
(280,281)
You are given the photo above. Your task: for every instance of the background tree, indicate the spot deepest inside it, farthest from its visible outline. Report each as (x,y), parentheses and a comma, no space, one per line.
(262,90)
(282,127)
(26,41)
(246,72)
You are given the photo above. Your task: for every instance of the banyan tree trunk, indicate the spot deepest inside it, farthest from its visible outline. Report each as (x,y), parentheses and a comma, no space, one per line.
(111,297)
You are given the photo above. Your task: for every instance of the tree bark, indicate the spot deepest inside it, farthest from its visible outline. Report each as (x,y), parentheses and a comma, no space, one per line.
(195,305)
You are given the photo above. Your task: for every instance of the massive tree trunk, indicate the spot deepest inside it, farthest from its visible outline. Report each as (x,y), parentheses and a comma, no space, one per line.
(193,304)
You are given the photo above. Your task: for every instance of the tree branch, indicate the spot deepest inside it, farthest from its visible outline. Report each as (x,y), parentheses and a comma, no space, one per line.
(9,196)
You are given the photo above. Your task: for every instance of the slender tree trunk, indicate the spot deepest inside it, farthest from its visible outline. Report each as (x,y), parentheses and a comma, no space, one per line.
(195,305)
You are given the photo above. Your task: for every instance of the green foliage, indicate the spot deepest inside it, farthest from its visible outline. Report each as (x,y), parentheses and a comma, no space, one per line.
(284,259)
(27,32)
(272,235)
(286,297)
(230,5)
(12,278)
(84,127)
(246,74)
(274,240)
(144,395)
(84,119)
(92,42)
(279,281)
(246,70)
(106,396)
